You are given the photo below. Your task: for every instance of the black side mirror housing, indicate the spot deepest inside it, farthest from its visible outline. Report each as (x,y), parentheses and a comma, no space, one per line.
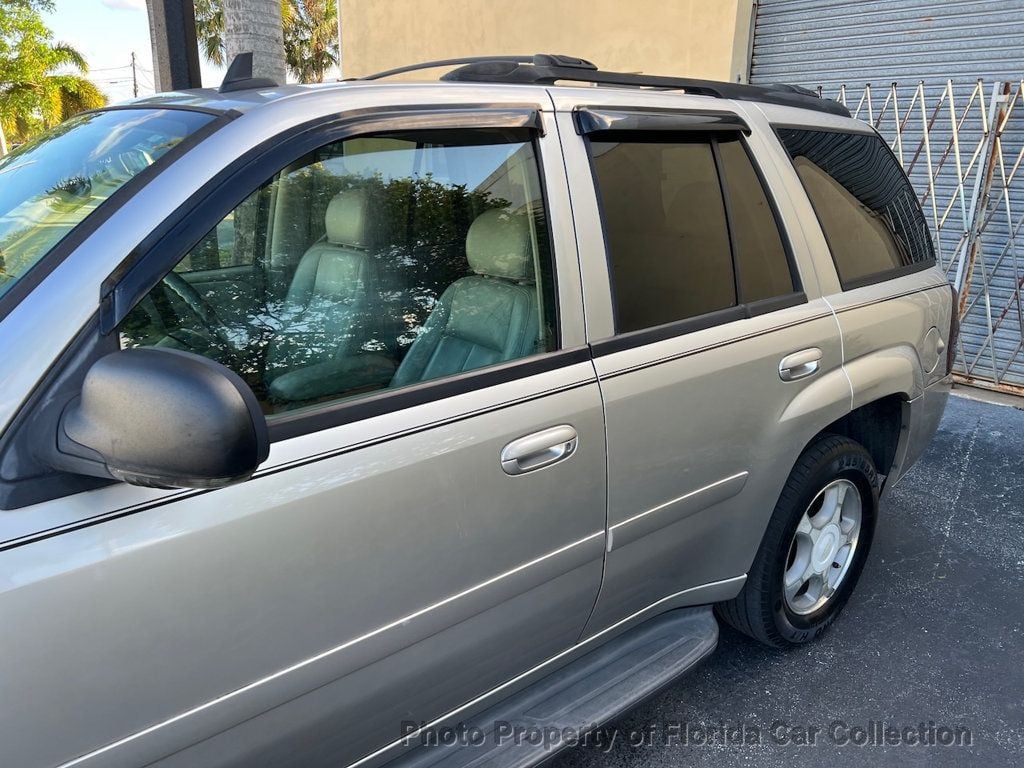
(162,418)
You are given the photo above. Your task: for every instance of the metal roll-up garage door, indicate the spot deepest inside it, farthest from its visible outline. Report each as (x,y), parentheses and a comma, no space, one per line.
(942,82)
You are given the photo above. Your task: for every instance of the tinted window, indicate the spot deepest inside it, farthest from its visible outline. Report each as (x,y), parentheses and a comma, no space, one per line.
(764,271)
(376,263)
(666,230)
(867,208)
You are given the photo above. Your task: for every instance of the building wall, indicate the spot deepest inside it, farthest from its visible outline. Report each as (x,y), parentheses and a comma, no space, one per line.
(693,38)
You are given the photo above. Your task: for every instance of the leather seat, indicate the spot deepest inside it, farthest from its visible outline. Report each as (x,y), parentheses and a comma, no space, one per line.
(328,312)
(486,318)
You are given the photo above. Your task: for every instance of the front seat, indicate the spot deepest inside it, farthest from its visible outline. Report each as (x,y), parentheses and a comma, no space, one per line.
(486,318)
(329,311)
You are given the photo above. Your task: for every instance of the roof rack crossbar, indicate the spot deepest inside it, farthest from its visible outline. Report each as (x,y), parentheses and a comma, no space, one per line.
(442,63)
(537,59)
(548,69)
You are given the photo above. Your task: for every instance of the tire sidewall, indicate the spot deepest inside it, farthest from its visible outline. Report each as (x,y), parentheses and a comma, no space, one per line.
(849,462)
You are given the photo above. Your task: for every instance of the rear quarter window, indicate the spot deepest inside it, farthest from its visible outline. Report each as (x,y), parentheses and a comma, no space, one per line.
(865,204)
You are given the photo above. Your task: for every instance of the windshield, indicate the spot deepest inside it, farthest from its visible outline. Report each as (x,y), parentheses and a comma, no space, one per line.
(49,186)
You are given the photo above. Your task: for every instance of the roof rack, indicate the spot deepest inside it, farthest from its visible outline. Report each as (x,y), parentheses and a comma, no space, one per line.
(547,69)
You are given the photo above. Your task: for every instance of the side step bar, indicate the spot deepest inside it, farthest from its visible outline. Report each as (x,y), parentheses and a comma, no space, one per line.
(586,693)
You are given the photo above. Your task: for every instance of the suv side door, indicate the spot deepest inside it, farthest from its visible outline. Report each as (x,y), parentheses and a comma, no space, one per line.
(718,360)
(402,551)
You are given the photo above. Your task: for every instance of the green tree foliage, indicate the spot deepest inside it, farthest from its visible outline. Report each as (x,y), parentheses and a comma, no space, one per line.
(310,35)
(42,82)
(310,38)
(210,30)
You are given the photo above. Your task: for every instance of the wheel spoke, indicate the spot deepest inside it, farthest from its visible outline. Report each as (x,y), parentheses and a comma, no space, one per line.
(792,588)
(839,492)
(810,571)
(823,547)
(827,589)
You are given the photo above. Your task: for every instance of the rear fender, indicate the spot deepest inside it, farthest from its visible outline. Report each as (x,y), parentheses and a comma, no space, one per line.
(891,371)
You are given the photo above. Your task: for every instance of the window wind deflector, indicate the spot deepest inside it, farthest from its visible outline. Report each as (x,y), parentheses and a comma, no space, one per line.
(510,117)
(594,120)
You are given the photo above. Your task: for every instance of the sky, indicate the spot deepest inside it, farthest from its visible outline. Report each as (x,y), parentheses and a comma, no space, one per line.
(107,32)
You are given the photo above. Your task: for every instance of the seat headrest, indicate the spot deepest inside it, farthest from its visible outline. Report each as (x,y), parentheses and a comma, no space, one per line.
(348,219)
(498,245)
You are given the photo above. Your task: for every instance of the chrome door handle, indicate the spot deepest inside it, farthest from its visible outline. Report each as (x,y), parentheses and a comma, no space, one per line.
(539,450)
(800,365)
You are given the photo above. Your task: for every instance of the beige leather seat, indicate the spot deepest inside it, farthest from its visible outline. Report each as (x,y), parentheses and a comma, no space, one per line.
(487,318)
(329,309)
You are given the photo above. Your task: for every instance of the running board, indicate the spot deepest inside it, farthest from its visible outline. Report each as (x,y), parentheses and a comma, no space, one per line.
(532,725)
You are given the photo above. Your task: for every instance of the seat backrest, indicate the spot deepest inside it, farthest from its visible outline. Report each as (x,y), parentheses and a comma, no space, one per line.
(486,318)
(328,306)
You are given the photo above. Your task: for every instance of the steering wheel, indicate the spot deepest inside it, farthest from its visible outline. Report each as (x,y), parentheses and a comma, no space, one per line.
(199,307)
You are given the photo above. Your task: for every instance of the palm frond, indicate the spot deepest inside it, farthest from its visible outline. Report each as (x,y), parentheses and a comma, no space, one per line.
(66,55)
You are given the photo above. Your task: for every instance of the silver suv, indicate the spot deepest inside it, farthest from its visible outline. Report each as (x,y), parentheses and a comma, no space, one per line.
(432,423)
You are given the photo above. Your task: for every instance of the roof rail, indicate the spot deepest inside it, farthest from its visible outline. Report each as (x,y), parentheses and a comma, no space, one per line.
(547,69)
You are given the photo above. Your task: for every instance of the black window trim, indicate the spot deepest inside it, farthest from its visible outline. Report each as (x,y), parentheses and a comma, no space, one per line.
(875,277)
(742,310)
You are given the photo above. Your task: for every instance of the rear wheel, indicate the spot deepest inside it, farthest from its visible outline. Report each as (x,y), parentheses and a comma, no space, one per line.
(814,548)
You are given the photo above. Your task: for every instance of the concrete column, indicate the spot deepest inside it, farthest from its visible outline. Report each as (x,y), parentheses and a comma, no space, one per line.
(172,32)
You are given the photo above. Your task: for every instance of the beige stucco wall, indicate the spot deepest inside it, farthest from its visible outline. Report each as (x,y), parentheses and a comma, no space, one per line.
(693,38)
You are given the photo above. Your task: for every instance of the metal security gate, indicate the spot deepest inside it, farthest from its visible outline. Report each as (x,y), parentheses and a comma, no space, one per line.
(942,82)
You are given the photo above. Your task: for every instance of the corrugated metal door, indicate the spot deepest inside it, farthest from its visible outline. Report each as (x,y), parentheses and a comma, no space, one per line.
(924,73)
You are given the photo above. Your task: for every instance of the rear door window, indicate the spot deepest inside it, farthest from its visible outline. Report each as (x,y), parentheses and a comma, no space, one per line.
(867,208)
(668,238)
(690,230)
(762,262)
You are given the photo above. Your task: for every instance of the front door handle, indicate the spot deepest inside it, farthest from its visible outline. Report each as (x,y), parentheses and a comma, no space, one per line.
(539,450)
(800,365)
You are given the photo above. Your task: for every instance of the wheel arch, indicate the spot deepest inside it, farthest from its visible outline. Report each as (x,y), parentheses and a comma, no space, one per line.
(877,425)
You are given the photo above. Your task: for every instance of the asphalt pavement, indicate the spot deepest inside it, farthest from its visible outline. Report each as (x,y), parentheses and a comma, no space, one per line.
(929,650)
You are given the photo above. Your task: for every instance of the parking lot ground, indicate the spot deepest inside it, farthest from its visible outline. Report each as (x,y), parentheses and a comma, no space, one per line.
(933,634)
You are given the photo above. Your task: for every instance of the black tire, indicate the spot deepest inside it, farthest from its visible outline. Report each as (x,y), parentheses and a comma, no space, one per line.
(760,609)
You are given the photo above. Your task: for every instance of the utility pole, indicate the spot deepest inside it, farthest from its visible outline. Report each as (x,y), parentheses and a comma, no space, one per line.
(135,79)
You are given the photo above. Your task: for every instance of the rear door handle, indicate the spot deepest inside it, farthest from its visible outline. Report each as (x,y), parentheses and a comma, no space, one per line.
(800,365)
(539,450)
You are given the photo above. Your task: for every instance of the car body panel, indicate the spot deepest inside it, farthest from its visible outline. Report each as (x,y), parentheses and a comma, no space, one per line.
(353,505)
(683,511)
(387,570)
(379,537)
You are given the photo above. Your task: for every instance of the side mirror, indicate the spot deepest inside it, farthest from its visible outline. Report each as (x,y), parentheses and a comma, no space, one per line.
(162,418)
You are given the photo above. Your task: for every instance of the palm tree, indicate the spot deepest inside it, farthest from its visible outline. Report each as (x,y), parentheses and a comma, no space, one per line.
(61,92)
(311,38)
(310,35)
(68,93)
(210,30)
(255,25)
